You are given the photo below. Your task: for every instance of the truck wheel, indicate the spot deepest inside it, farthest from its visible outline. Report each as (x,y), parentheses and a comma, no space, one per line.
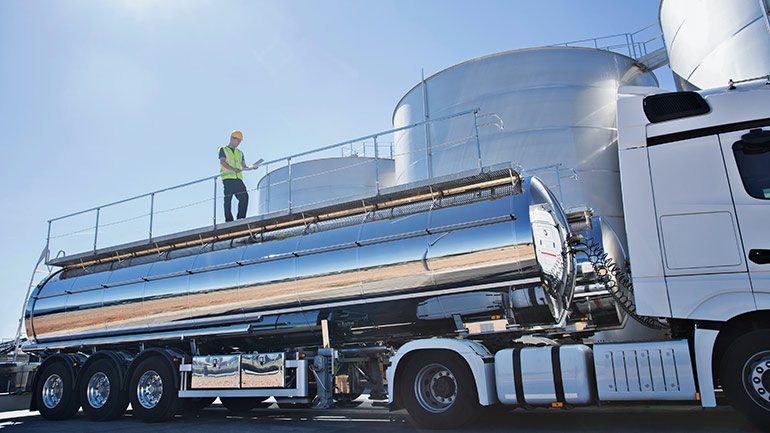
(438,390)
(55,394)
(152,392)
(745,374)
(100,392)
(241,404)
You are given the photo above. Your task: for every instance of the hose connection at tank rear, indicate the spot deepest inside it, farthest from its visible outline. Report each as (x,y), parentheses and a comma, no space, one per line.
(621,288)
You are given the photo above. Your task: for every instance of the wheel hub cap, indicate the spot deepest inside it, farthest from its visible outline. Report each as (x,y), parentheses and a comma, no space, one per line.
(435,388)
(98,390)
(149,389)
(757,371)
(53,388)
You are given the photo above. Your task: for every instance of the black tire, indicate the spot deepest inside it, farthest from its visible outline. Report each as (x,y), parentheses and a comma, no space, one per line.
(100,391)
(152,392)
(438,391)
(745,376)
(192,405)
(55,394)
(242,404)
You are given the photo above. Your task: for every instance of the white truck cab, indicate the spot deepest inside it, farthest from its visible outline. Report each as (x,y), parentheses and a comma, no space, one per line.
(696,191)
(695,178)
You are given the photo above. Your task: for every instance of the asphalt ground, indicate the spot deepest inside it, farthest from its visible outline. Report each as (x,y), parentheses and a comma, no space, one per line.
(371,419)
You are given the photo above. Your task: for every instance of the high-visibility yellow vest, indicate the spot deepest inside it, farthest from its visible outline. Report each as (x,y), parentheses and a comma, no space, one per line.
(235,159)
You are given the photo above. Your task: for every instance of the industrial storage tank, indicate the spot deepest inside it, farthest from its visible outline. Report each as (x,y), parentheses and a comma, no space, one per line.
(557,106)
(710,42)
(320,181)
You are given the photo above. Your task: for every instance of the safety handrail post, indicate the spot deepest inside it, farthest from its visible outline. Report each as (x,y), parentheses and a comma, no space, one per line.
(376,168)
(214,219)
(96,228)
(152,211)
(48,239)
(428,153)
(478,143)
(288,162)
(269,185)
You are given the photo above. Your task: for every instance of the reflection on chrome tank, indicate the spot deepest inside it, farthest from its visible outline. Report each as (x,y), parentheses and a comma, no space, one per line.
(369,274)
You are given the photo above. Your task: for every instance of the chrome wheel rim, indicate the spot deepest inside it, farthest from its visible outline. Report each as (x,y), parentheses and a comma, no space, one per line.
(53,388)
(150,389)
(435,388)
(98,390)
(756,374)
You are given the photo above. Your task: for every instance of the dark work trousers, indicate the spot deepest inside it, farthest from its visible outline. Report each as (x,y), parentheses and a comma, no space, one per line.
(237,188)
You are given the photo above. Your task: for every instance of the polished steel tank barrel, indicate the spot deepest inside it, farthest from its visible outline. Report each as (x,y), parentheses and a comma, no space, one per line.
(368,274)
(320,181)
(710,42)
(557,106)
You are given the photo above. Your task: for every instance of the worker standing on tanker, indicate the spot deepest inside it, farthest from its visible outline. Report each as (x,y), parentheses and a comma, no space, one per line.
(232,163)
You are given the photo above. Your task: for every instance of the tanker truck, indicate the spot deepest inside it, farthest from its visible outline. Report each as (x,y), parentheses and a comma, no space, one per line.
(446,295)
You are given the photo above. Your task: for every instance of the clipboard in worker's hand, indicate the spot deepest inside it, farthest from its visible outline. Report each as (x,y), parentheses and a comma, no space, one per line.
(256,164)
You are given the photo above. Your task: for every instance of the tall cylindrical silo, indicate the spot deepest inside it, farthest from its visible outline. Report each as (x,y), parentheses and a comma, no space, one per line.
(710,42)
(321,181)
(557,106)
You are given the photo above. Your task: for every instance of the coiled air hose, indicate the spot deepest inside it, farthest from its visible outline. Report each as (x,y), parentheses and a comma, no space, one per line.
(621,288)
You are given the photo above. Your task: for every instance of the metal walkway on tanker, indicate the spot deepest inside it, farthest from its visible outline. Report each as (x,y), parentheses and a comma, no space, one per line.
(291,213)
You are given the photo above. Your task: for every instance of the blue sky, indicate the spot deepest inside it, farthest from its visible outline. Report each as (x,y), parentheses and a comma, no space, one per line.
(103,100)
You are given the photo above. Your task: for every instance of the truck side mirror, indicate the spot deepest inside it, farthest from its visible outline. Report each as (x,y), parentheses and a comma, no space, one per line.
(756,141)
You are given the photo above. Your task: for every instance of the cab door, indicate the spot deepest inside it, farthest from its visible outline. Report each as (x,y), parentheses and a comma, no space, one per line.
(747,160)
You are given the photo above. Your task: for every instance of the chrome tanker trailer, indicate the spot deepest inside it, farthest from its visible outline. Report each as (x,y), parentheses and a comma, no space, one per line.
(473,289)
(308,308)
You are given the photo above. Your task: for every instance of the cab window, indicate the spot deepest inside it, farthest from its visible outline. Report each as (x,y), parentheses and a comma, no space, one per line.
(752,155)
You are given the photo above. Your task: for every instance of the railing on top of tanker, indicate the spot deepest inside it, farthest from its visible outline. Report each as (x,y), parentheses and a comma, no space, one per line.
(635,45)
(181,207)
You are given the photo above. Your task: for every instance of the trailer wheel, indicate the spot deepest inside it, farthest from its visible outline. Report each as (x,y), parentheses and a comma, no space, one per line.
(100,391)
(438,390)
(152,392)
(241,404)
(745,374)
(55,393)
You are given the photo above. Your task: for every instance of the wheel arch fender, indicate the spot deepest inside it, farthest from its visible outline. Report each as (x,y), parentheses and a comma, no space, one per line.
(172,357)
(120,360)
(735,326)
(477,357)
(712,340)
(73,361)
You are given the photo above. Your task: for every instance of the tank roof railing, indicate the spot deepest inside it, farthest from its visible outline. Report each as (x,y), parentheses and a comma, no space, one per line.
(493,176)
(116,209)
(285,158)
(623,43)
